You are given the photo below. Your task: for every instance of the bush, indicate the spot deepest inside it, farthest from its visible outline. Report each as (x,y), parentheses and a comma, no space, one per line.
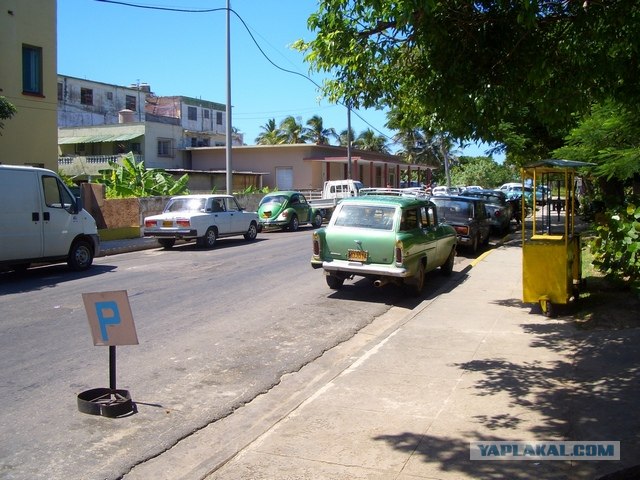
(616,247)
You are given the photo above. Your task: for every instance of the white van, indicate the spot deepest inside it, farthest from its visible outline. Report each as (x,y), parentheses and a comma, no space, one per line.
(42,222)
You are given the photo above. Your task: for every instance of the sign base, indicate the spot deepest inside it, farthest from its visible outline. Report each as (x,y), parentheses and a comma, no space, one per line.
(106,402)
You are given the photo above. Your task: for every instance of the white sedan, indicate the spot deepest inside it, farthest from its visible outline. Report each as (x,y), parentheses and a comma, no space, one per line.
(203,218)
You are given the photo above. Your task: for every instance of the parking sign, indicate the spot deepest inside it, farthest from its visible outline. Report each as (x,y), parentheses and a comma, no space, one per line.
(110,318)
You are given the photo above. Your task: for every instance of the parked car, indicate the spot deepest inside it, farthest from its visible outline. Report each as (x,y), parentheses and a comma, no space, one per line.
(203,218)
(440,190)
(468,216)
(287,210)
(499,209)
(384,238)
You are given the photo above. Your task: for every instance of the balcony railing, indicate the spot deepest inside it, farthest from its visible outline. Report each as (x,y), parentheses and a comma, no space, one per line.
(79,165)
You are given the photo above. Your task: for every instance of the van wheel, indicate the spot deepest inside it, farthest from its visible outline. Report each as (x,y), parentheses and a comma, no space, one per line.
(80,256)
(333,282)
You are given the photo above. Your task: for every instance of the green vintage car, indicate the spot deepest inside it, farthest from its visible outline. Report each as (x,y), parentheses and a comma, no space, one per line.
(287,210)
(385,238)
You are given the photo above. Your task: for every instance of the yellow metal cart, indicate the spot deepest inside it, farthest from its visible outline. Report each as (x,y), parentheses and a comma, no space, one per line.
(551,248)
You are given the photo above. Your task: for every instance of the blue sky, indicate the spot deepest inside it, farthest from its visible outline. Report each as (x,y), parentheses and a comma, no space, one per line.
(185,54)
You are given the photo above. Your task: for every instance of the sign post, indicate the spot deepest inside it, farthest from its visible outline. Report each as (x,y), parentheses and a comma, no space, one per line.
(111,323)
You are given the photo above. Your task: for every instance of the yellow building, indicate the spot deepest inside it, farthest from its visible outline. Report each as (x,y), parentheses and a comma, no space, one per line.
(28,80)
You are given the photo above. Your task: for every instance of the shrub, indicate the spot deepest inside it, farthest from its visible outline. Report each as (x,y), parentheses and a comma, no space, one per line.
(616,247)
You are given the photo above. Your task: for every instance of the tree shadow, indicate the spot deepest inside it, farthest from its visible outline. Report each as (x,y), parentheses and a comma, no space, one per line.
(590,393)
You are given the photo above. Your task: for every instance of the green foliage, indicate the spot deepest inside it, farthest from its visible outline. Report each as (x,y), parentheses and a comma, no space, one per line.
(482,171)
(252,189)
(607,136)
(7,110)
(616,248)
(132,179)
(515,72)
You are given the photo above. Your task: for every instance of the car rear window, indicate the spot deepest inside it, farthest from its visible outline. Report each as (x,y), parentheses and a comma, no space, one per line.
(186,205)
(454,210)
(364,216)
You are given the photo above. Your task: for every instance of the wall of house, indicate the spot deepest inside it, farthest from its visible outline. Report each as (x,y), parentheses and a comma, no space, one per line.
(30,136)
(153,133)
(107,101)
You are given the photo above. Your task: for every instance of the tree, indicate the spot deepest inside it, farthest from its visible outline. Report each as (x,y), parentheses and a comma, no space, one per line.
(608,137)
(316,132)
(7,110)
(369,140)
(481,171)
(292,130)
(510,72)
(343,138)
(270,134)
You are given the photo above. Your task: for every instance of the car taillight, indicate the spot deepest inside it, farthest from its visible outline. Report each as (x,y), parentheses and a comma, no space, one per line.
(183,222)
(399,254)
(149,223)
(316,245)
(462,230)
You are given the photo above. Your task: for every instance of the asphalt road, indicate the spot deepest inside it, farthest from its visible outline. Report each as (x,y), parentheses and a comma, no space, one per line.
(216,328)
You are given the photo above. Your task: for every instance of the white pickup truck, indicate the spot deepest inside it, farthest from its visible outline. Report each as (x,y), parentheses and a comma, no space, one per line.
(332,192)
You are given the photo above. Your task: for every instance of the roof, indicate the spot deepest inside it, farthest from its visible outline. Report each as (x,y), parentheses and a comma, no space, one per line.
(403,202)
(99,138)
(558,163)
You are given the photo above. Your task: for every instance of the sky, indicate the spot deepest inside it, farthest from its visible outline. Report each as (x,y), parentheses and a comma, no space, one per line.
(184,54)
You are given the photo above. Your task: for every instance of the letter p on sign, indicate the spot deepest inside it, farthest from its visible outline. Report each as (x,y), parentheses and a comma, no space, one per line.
(110,318)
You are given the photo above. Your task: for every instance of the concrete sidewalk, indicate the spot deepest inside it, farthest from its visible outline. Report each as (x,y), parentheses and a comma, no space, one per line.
(405,396)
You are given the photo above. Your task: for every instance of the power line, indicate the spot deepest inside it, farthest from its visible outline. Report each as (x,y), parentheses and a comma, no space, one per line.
(210,10)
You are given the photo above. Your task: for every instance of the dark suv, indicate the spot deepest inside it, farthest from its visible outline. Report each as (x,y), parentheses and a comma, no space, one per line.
(469,217)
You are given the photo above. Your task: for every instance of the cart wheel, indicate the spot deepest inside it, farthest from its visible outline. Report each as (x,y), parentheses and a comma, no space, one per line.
(547,308)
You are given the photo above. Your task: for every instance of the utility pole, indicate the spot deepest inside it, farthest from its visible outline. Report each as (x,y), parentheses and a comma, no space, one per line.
(349,175)
(228,123)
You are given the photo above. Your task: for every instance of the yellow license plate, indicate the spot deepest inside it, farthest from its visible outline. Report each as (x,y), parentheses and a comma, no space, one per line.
(167,223)
(357,255)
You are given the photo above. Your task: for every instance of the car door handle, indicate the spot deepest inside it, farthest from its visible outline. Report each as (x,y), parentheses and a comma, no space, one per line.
(47,216)
(35,217)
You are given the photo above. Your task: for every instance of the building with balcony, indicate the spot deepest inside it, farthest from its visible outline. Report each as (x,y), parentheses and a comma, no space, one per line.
(99,122)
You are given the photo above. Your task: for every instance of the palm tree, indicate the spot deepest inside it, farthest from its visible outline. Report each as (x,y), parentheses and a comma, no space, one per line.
(270,134)
(292,130)
(316,132)
(368,140)
(342,138)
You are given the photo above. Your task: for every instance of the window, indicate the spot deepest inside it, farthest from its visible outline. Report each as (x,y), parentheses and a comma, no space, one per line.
(59,91)
(86,96)
(165,147)
(55,195)
(218,118)
(192,113)
(409,220)
(130,102)
(206,114)
(31,70)
(110,96)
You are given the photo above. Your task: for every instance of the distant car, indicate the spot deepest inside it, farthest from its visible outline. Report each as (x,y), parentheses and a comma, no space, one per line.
(471,188)
(203,218)
(499,209)
(468,216)
(440,190)
(287,210)
(384,238)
